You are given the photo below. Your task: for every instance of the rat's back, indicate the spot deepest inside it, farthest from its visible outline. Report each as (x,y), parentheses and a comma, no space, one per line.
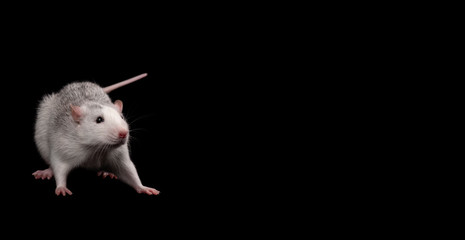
(79,92)
(42,129)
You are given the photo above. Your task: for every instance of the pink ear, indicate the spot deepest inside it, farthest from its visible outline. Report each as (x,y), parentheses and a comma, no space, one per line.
(76,112)
(119,105)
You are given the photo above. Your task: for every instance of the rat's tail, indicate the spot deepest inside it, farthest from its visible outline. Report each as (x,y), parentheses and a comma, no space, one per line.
(123,83)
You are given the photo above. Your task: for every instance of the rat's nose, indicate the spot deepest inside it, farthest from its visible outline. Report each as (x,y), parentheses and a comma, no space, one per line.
(122,133)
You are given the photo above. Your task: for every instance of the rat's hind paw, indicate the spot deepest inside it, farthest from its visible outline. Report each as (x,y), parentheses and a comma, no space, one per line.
(63,191)
(43,174)
(105,174)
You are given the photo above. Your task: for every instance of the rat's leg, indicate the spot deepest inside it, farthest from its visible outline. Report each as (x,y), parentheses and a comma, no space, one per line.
(43,174)
(128,174)
(61,170)
(126,171)
(105,174)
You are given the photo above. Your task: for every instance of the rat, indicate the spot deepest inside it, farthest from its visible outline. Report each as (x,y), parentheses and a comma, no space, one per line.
(79,126)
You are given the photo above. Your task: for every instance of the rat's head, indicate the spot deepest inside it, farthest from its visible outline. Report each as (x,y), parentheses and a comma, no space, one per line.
(98,124)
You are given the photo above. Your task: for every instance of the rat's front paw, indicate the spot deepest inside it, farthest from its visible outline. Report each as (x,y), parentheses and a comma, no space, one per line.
(148,190)
(63,191)
(43,174)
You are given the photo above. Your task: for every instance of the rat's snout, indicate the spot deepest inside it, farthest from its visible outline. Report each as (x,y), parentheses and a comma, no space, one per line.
(122,133)
(120,137)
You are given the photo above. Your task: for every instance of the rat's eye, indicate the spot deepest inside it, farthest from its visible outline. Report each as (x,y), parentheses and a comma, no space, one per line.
(99,120)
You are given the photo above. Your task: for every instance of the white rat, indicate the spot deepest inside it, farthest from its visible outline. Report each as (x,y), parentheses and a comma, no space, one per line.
(80,127)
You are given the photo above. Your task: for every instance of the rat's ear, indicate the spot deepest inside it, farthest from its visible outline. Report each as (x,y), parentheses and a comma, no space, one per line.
(76,112)
(119,105)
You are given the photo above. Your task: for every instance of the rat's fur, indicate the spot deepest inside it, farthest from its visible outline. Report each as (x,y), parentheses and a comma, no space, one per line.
(67,135)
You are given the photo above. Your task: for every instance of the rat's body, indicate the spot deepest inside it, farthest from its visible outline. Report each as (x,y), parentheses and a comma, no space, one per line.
(80,127)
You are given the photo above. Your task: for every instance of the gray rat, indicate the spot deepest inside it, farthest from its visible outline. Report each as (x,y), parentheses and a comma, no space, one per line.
(80,126)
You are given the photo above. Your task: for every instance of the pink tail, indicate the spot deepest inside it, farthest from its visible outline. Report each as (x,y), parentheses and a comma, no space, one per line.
(123,83)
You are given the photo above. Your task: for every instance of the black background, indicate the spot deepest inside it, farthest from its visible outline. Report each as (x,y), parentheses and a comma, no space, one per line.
(212,134)
(198,138)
